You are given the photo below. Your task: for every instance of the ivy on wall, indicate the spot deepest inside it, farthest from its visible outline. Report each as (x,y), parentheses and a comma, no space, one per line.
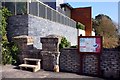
(9,49)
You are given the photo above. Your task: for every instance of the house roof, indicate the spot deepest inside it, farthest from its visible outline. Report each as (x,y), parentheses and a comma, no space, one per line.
(67,5)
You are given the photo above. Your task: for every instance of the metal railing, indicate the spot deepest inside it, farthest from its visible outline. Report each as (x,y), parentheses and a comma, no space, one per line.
(40,9)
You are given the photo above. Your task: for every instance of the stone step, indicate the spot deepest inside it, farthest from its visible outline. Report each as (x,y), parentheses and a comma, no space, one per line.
(27,65)
(31,59)
(34,67)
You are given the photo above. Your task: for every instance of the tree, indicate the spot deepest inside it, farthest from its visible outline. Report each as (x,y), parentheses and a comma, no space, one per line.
(104,26)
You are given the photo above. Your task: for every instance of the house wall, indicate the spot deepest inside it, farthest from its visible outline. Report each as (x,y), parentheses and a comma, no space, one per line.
(58,2)
(68,12)
(83,15)
(83,32)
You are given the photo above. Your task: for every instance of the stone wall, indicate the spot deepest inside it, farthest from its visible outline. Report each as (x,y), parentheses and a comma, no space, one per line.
(50,52)
(37,27)
(109,63)
(90,64)
(25,44)
(69,60)
(17,25)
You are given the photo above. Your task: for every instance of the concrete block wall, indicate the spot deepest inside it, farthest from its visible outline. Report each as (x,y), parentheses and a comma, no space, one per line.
(69,60)
(90,64)
(109,63)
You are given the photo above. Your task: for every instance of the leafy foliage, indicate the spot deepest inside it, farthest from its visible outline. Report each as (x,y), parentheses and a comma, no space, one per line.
(9,53)
(101,15)
(80,26)
(9,49)
(119,42)
(64,43)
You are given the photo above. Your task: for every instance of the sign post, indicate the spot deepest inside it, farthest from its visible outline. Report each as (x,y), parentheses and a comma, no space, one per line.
(90,48)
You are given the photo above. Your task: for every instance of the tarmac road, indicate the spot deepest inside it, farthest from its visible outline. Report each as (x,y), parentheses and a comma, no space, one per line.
(9,71)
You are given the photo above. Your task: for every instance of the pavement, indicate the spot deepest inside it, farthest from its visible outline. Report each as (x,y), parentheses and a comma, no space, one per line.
(10,71)
(0,72)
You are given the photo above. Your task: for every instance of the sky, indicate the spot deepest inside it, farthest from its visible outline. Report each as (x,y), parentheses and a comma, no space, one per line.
(107,8)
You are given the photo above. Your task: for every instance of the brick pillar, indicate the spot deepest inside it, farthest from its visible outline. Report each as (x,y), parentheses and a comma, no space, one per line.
(24,43)
(50,52)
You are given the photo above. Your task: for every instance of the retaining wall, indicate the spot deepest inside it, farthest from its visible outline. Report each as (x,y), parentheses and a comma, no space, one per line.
(37,27)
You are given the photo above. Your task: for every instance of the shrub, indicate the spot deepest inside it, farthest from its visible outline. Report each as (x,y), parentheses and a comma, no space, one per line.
(80,26)
(6,54)
(64,43)
(9,53)
(9,49)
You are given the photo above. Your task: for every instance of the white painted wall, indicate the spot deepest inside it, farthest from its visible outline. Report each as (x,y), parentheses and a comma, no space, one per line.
(83,32)
(58,2)
(93,33)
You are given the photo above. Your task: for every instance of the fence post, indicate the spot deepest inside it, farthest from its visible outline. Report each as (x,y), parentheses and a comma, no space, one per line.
(15,8)
(38,8)
(45,12)
(27,7)
(51,15)
(56,17)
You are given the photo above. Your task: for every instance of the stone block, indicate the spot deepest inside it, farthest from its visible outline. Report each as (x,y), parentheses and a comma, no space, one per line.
(24,42)
(50,59)
(50,43)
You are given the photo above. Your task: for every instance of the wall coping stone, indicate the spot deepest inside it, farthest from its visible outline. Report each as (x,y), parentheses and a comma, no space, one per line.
(69,48)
